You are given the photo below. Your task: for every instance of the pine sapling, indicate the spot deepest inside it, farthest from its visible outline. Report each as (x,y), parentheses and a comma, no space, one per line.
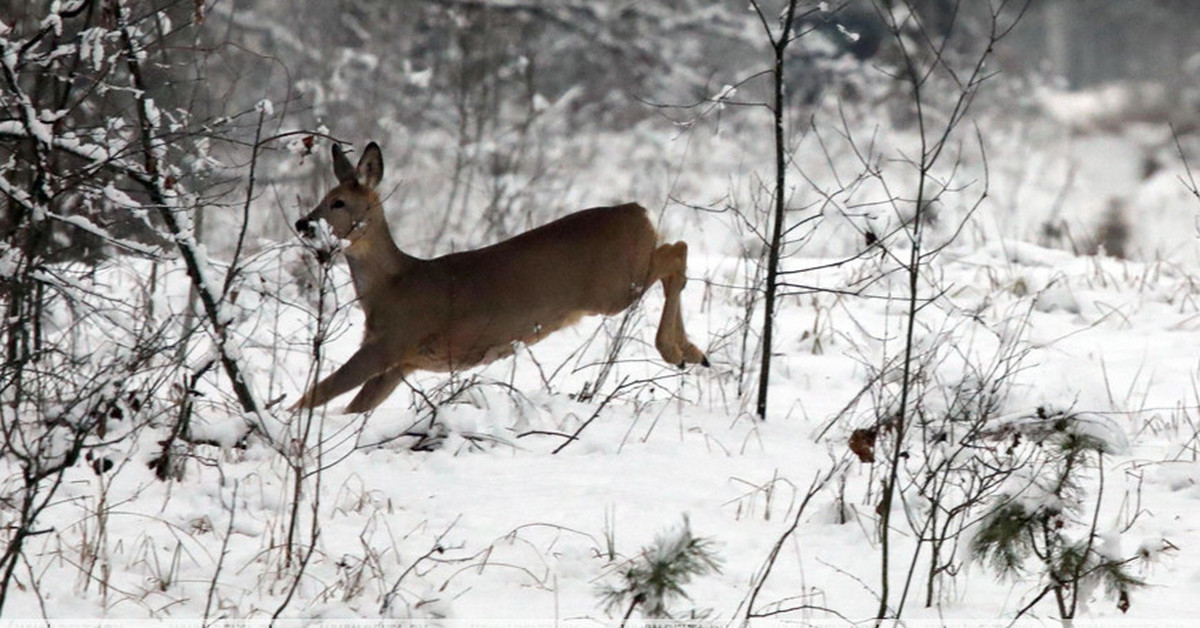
(658,575)
(1041,520)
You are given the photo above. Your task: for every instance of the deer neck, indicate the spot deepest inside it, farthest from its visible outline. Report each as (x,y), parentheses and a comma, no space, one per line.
(374,260)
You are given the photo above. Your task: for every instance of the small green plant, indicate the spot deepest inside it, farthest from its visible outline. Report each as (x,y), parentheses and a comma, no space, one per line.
(1041,520)
(657,576)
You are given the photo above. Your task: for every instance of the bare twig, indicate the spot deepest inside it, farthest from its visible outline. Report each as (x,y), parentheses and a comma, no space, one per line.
(212,586)
(816,486)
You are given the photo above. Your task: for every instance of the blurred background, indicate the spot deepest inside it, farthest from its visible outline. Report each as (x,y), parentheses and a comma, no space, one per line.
(496,115)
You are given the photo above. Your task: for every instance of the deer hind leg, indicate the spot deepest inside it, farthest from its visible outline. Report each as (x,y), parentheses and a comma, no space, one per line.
(669,265)
(369,361)
(376,390)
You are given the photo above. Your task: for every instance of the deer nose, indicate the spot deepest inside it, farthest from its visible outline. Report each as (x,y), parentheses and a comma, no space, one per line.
(303,226)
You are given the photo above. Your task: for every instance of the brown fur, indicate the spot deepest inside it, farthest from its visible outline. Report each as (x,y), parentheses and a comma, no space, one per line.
(464,309)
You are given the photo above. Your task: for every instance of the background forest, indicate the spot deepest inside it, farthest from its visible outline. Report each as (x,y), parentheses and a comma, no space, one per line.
(943,260)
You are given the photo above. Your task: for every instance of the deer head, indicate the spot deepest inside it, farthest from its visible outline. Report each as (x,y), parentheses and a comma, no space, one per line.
(352,208)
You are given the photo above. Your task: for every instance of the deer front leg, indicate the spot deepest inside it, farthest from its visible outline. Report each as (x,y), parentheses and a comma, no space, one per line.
(376,390)
(370,360)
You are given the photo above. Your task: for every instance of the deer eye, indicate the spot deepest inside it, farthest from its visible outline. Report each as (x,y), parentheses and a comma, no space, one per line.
(338,204)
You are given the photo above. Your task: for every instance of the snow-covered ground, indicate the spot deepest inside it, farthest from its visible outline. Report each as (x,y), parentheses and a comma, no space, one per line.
(487,521)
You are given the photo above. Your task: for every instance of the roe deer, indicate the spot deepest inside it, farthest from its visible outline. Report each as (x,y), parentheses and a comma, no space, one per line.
(469,308)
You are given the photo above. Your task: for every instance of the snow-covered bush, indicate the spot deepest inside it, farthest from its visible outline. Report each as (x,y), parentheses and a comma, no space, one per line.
(1040,523)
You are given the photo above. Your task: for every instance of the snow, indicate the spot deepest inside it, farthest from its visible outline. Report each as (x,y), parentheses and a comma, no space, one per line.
(119,197)
(153,115)
(475,516)
(727,92)
(53,21)
(10,262)
(848,34)
(419,78)
(524,530)
(91,46)
(82,223)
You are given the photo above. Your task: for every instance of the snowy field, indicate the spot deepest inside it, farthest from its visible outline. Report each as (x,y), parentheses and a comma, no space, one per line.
(529,486)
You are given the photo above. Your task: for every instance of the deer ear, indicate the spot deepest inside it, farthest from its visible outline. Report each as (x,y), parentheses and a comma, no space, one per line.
(370,166)
(342,168)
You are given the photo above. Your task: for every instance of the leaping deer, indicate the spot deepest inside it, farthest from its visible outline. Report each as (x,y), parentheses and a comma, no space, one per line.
(469,308)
